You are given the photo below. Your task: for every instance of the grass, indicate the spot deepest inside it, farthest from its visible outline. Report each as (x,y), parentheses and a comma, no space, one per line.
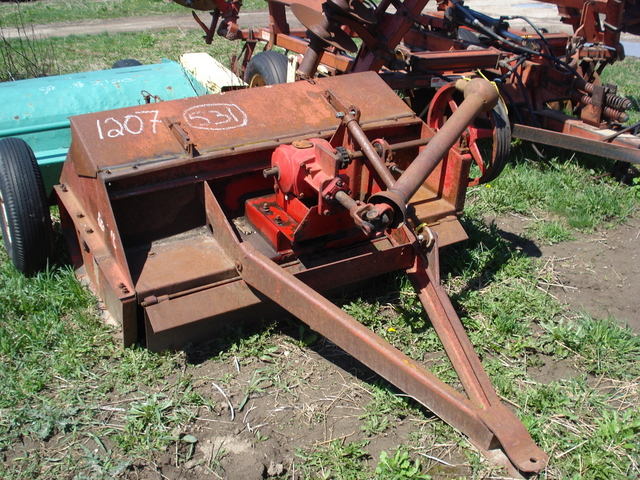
(74,404)
(99,52)
(14,14)
(572,193)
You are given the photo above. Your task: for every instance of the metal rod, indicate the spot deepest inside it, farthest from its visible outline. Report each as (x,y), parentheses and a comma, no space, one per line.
(479,95)
(421,142)
(375,161)
(44,127)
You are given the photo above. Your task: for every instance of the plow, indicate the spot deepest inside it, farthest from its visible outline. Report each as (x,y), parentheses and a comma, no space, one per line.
(549,83)
(186,216)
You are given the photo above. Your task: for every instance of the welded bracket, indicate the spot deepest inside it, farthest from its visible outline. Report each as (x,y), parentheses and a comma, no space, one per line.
(175,127)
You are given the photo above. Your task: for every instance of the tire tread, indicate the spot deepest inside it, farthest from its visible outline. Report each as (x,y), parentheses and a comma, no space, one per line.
(271,65)
(26,207)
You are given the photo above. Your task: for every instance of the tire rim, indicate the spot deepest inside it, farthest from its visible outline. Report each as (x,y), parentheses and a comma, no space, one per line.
(257,81)
(5,223)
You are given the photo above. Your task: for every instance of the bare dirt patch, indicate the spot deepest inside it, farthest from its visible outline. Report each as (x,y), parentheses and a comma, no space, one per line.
(596,273)
(298,400)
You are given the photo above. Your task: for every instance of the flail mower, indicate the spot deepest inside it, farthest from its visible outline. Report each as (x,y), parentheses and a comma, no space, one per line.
(189,214)
(242,205)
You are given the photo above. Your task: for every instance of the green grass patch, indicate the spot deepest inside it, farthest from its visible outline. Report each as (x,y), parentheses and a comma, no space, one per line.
(14,14)
(337,460)
(567,193)
(99,52)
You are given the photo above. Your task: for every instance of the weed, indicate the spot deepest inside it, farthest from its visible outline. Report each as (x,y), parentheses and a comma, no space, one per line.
(102,463)
(23,57)
(549,232)
(636,187)
(598,343)
(253,387)
(399,467)
(336,461)
(384,406)
(256,346)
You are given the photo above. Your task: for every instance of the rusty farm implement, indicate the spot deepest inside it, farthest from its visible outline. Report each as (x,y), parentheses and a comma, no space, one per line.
(188,214)
(549,83)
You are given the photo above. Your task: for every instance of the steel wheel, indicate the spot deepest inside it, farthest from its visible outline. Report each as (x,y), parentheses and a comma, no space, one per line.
(24,211)
(266,68)
(488,138)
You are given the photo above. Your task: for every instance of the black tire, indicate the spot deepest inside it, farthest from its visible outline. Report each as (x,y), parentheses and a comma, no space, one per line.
(129,62)
(266,68)
(24,210)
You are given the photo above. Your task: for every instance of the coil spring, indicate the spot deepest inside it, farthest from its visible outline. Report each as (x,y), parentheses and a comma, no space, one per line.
(609,112)
(618,102)
(611,99)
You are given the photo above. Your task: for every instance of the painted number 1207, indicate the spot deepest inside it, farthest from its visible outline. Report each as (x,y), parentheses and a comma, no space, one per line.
(131,124)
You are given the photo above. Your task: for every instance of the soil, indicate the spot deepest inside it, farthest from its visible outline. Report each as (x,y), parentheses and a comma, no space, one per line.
(321,400)
(598,274)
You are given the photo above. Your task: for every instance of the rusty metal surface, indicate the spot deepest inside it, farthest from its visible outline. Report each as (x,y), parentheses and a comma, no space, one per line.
(457,60)
(582,138)
(173,266)
(533,70)
(479,96)
(482,417)
(226,121)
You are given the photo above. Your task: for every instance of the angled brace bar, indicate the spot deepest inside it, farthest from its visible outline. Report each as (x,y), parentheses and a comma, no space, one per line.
(509,430)
(482,418)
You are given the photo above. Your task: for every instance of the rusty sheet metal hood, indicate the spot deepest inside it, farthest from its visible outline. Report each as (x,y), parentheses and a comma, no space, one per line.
(125,137)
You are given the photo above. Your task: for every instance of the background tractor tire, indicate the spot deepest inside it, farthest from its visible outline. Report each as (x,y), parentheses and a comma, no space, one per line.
(266,68)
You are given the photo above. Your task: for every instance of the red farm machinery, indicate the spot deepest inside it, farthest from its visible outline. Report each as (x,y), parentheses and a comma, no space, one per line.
(188,214)
(549,83)
(242,204)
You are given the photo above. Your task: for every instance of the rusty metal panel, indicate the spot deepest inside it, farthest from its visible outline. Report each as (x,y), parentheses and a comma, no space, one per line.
(169,267)
(125,137)
(580,137)
(449,231)
(191,318)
